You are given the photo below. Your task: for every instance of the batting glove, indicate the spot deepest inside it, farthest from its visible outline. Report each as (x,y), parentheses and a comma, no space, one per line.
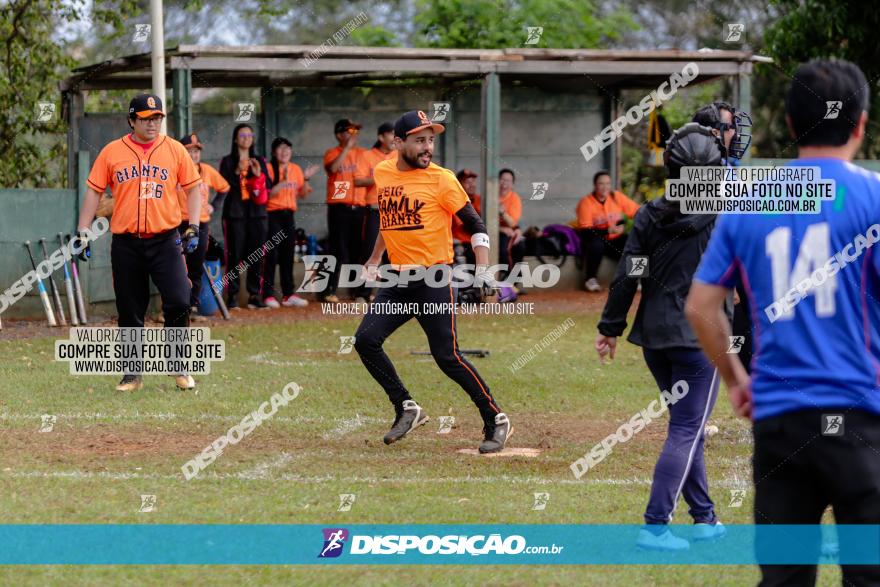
(191,238)
(81,242)
(485,281)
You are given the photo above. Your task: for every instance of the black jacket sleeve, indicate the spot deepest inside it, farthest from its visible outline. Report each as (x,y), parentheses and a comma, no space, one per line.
(623,288)
(227,172)
(472,222)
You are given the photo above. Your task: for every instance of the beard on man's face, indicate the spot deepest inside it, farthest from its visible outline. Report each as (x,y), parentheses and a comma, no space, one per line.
(417,162)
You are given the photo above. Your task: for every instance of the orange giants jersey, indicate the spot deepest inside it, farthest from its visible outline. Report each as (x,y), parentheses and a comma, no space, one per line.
(415,212)
(285,198)
(340,185)
(366,164)
(143,183)
(211,179)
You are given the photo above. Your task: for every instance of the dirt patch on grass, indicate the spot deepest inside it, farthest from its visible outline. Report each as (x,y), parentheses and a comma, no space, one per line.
(98,442)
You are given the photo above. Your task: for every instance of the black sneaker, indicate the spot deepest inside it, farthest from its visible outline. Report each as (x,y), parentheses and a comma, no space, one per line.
(256,303)
(412,417)
(496,435)
(130,383)
(232,303)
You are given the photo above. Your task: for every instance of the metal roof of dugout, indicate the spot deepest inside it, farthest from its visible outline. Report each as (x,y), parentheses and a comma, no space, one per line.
(274,67)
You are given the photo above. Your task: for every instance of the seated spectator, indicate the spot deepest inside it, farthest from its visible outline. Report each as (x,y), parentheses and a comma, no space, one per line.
(460,237)
(511,244)
(601,222)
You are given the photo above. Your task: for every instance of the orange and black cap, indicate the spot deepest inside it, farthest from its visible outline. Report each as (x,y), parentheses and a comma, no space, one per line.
(191,142)
(414,121)
(345,124)
(465,173)
(145,106)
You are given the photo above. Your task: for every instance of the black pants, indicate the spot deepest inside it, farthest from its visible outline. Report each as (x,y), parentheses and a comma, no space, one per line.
(244,237)
(382,320)
(799,472)
(595,244)
(281,255)
(742,326)
(509,254)
(345,226)
(195,260)
(369,235)
(134,262)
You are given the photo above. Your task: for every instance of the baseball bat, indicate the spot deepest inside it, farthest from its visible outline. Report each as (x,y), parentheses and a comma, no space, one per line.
(77,290)
(218,295)
(68,287)
(56,293)
(44,297)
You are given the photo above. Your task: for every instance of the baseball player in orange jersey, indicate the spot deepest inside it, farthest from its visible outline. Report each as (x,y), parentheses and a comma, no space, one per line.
(417,200)
(142,171)
(363,177)
(345,201)
(211,179)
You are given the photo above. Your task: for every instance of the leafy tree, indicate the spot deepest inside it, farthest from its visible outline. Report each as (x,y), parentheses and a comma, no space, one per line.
(31,65)
(495,24)
(811,29)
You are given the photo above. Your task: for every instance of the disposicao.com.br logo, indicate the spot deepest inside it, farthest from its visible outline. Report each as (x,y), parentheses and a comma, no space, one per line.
(431,544)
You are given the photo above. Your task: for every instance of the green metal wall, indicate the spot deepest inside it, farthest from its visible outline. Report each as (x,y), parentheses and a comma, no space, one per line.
(42,213)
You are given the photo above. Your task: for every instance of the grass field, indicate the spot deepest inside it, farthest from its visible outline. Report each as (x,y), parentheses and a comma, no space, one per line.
(107,449)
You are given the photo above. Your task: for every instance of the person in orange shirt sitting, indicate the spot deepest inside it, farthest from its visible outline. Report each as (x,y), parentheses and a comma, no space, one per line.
(601,218)
(290,184)
(345,201)
(460,237)
(363,178)
(511,244)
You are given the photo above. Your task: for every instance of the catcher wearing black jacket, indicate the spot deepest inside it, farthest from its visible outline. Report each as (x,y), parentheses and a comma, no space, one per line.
(667,246)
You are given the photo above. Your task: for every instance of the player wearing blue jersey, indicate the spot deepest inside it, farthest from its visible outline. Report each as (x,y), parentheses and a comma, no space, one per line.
(812,282)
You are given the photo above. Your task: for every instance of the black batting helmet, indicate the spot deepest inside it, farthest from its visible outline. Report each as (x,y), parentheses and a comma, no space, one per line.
(692,145)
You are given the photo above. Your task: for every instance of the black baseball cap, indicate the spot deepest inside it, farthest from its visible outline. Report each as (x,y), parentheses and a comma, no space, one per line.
(385,127)
(145,106)
(191,141)
(414,121)
(345,124)
(465,173)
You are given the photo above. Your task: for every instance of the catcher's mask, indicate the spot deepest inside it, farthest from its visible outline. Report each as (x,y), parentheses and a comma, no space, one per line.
(741,125)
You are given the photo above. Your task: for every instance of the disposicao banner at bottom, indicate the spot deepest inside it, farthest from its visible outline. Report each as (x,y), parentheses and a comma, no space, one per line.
(147,544)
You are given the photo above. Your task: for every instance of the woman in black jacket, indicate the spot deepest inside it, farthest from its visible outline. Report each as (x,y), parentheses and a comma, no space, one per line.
(245,221)
(670,245)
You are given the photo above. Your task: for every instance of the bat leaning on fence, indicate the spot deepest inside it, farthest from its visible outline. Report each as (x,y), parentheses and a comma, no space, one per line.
(68,287)
(56,293)
(44,297)
(218,295)
(77,289)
